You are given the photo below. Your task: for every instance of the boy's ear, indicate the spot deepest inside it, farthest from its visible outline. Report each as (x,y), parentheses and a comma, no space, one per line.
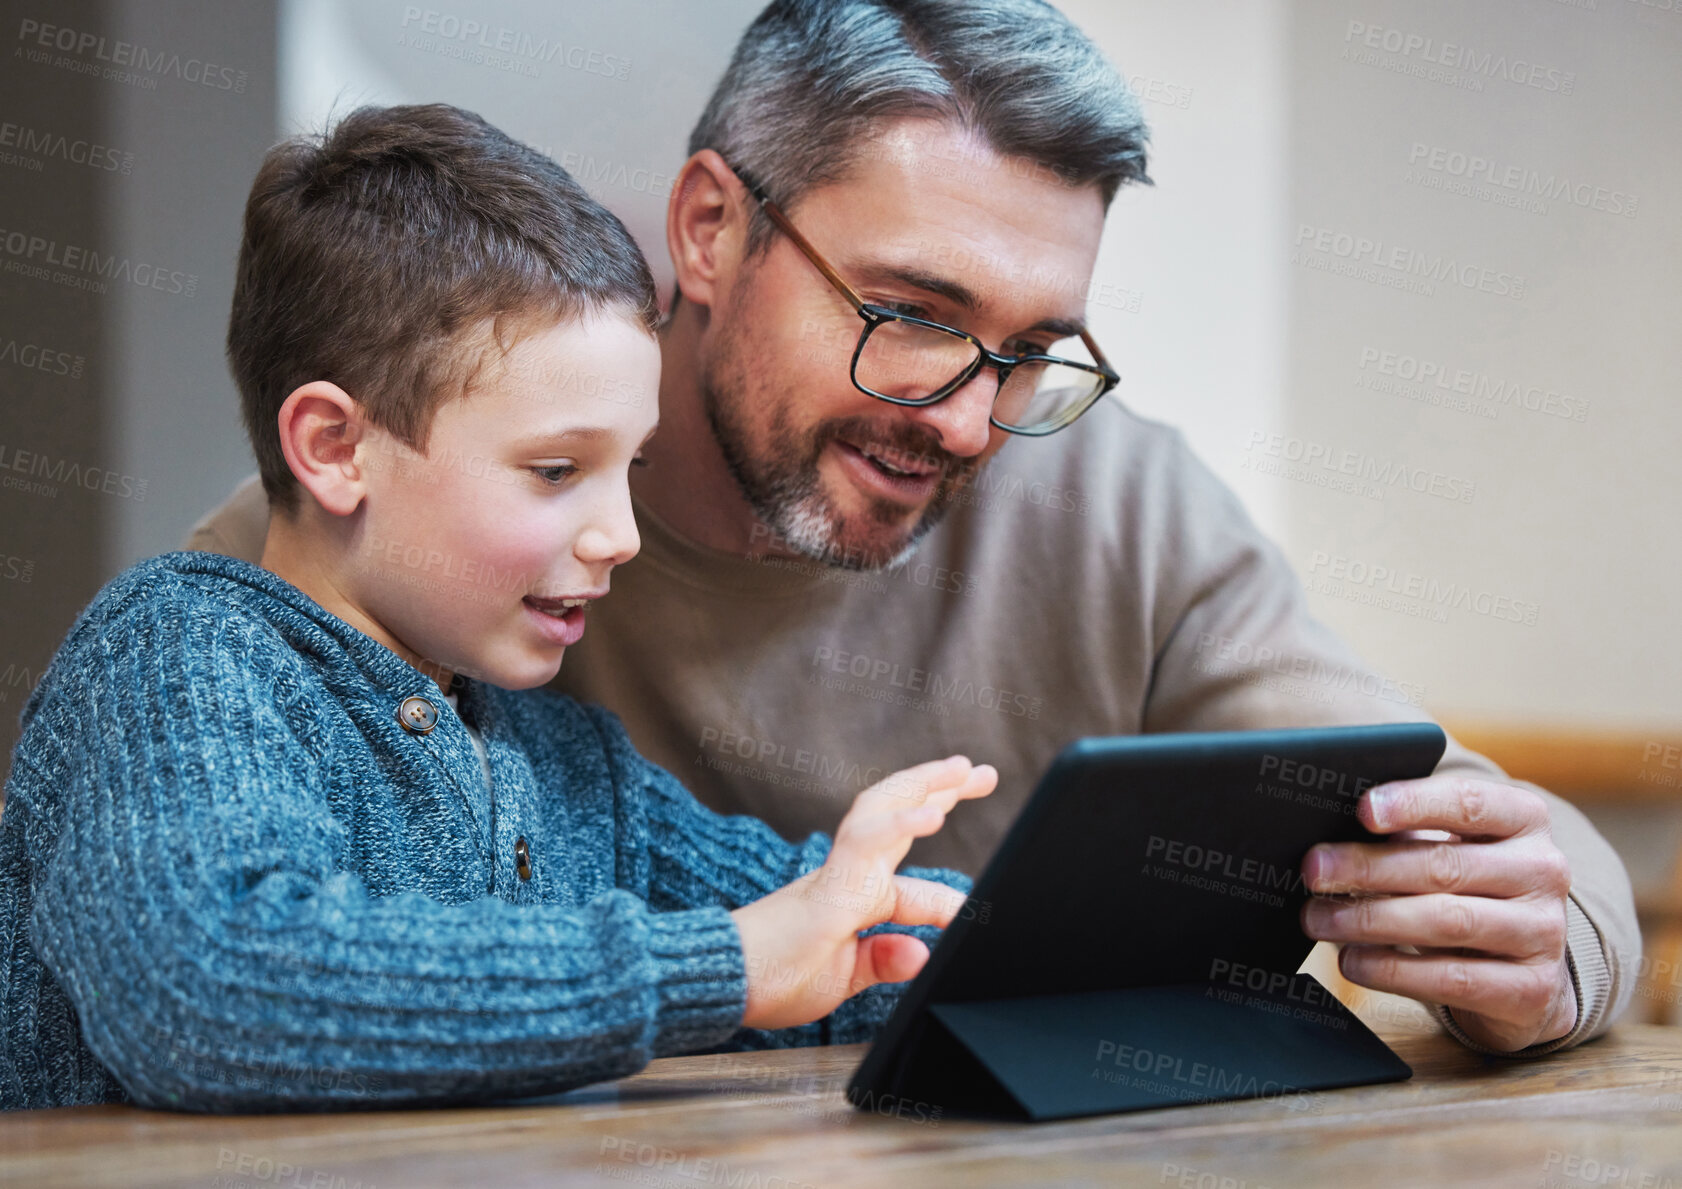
(320,426)
(706,226)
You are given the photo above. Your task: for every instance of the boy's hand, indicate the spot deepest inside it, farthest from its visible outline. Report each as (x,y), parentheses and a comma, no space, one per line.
(801,943)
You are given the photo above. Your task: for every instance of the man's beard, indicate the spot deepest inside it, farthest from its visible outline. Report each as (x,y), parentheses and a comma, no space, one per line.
(781,483)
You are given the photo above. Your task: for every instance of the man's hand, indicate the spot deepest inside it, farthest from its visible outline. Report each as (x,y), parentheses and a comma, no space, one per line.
(801,943)
(1484,910)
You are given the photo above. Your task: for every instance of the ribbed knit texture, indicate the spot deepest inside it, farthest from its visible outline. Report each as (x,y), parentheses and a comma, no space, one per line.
(231,881)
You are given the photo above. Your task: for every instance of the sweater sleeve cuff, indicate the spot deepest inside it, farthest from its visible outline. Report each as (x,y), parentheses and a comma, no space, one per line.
(1591,979)
(699,978)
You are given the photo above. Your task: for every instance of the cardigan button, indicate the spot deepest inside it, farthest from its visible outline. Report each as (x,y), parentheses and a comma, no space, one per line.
(522,858)
(417,715)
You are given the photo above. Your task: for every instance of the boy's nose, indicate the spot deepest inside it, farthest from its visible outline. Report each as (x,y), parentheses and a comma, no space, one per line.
(610,538)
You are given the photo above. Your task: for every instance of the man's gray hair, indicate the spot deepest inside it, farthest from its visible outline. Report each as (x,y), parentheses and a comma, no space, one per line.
(811,80)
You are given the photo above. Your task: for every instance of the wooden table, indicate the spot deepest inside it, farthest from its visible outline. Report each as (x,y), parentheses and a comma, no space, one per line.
(1607,1114)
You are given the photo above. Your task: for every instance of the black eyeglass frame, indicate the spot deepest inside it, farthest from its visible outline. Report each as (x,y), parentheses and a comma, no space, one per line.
(875,316)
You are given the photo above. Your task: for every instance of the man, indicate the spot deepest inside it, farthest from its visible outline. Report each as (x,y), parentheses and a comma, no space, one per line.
(882,240)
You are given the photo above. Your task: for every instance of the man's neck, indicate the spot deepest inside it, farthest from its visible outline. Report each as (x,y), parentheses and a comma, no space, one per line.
(687,484)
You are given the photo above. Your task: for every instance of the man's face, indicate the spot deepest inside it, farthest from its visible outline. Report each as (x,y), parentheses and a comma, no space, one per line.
(931,222)
(481,554)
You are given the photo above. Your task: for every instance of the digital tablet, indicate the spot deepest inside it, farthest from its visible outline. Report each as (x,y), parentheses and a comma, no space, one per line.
(1134,942)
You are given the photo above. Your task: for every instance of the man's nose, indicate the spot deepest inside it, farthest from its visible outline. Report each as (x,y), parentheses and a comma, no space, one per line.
(961,420)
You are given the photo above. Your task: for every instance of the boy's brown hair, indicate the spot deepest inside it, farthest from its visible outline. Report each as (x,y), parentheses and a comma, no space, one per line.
(373,255)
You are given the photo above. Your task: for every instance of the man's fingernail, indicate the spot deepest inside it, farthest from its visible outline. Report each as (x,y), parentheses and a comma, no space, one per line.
(1380,807)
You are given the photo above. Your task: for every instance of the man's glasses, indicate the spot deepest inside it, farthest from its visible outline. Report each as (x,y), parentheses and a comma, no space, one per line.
(911,361)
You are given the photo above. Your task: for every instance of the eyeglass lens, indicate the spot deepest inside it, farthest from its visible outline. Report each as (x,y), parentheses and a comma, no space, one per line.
(905,361)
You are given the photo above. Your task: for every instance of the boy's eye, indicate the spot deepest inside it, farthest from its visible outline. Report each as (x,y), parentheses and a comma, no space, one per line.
(557,474)
(639,461)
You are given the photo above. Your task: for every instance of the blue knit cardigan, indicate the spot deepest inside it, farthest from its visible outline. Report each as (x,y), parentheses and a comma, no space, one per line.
(230,880)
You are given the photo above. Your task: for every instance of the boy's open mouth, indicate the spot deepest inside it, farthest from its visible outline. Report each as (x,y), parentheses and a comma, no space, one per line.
(559,608)
(559,620)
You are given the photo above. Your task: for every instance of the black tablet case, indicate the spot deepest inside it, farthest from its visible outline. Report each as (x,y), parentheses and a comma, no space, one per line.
(1093,968)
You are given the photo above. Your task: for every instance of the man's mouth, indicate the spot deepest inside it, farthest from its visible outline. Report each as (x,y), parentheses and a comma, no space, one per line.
(895,463)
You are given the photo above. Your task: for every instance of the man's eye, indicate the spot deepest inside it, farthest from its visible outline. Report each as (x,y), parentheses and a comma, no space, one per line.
(557,474)
(639,461)
(909,309)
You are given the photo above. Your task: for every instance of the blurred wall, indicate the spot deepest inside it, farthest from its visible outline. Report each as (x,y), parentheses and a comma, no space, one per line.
(129,134)
(1485,306)
(1408,280)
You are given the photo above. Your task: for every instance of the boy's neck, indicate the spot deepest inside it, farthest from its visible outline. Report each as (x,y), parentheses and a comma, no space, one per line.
(311,557)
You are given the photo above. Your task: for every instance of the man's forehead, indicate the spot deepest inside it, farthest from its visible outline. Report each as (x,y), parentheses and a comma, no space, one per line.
(935,205)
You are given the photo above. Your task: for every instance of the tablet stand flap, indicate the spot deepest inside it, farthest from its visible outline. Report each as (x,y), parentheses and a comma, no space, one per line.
(1139,1048)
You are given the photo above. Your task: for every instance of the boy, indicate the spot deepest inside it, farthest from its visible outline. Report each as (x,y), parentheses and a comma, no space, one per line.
(281,837)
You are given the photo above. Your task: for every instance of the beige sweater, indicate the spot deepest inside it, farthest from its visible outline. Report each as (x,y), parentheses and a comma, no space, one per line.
(1100,581)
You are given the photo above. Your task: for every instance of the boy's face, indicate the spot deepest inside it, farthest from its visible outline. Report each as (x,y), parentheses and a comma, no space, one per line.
(475,555)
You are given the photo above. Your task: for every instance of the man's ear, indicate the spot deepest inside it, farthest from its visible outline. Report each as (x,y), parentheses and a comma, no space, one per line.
(320,426)
(706,226)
